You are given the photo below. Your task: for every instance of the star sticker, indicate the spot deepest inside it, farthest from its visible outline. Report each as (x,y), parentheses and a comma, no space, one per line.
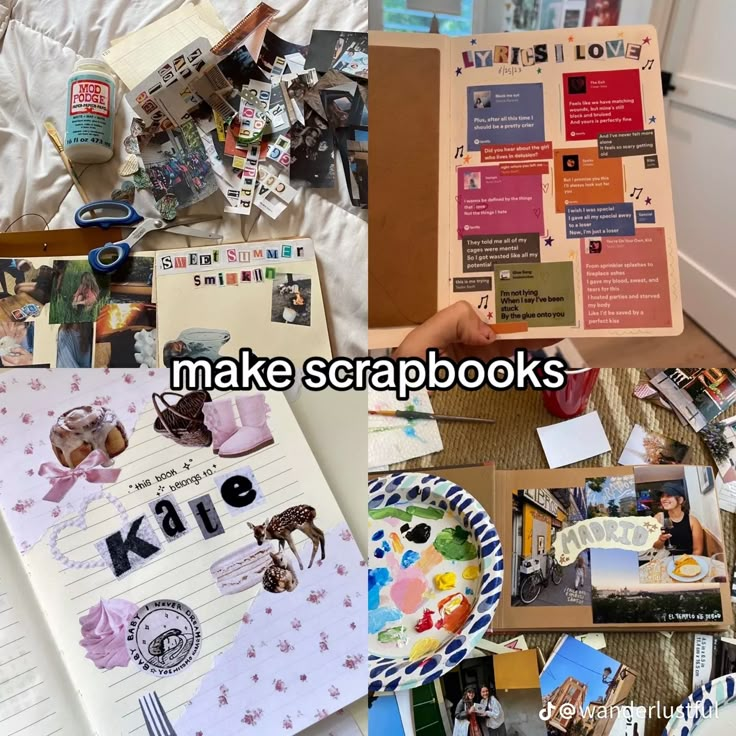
(539,70)
(571,255)
(648,200)
(473,41)
(548,241)
(571,38)
(466,158)
(187,465)
(652,120)
(458,71)
(621,34)
(646,39)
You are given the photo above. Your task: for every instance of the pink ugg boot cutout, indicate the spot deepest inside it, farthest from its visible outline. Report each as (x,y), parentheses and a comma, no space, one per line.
(219,418)
(254,432)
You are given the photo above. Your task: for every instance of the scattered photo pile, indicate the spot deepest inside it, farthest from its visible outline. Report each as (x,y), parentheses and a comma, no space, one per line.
(254,121)
(698,397)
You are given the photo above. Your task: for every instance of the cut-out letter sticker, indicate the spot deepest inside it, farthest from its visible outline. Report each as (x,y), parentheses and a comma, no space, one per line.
(130,548)
(239,490)
(629,532)
(207,517)
(170,519)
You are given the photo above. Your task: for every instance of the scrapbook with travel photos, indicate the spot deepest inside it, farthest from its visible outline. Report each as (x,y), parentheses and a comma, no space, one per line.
(620,548)
(178,559)
(553,193)
(196,303)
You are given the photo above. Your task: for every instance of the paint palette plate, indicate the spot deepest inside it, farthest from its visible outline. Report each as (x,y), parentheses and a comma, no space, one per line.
(709,711)
(435,576)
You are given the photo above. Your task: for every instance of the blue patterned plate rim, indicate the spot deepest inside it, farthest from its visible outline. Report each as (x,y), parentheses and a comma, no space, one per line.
(716,693)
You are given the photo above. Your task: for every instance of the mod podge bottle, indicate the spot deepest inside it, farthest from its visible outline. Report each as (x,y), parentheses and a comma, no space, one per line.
(90,113)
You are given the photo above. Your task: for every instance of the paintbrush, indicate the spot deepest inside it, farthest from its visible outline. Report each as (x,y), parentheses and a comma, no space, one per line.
(427,415)
(59,146)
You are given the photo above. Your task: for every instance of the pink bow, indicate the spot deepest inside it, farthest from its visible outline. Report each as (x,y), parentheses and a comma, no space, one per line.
(63,479)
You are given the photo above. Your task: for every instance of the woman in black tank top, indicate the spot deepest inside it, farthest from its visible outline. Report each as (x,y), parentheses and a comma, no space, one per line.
(686,535)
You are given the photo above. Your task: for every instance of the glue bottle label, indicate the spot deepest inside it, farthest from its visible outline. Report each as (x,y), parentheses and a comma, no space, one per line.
(89,116)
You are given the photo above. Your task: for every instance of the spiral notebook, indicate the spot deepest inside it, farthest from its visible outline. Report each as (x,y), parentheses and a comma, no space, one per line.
(135,597)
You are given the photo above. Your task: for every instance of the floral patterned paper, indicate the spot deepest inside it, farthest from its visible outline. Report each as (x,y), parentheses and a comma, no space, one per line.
(34,398)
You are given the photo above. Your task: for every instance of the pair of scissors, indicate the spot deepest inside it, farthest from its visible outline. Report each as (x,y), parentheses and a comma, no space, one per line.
(112,213)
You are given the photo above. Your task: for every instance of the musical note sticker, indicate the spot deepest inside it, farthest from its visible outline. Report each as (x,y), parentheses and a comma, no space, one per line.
(648,65)
(637,192)
(483,304)
(459,151)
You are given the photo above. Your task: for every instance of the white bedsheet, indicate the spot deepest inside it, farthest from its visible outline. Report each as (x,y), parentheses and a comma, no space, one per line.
(40,40)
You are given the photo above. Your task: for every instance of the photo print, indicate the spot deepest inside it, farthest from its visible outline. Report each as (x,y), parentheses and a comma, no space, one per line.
(25,287)
(16,344)
(588,682)
(537,578)
(489,695)
(194,343)
(132,283)
(649,448)
(125,336)
(344,52)
(678,580)
(177,164)
(78,293)
(291,299)
(74,345)
(482,99)
(720,439)
(313,152)
(698,394)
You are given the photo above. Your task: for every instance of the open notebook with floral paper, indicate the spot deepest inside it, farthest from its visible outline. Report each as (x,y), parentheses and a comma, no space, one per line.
(176,563)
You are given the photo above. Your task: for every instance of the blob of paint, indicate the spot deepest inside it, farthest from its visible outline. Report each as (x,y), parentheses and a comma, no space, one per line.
(378,619)
(426,512)
(378,553)
(394,635)
(445,581)
(408,591)
(419,534)
(471,572)
(423,647)
(453,544)
(455,610)
(377,535)
(409,558)
(389,513)
(425,622)
(377,578)
(430,559)
(396,542)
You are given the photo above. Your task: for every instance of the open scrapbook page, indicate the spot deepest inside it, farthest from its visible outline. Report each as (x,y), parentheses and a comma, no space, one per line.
(606,548)
(548,200)
(59,312)
(203,577)
(262,296)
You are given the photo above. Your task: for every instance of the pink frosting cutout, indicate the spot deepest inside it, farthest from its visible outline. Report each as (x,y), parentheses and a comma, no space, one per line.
(104,631)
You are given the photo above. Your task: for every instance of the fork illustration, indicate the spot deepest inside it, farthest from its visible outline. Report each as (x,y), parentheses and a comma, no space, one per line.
(157,721)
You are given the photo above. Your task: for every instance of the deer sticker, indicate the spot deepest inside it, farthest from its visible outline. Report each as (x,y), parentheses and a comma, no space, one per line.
(282,525)
(280,576)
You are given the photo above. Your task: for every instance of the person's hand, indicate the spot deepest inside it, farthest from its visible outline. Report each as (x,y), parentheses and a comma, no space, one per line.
(16,330)
(662,540)
(458,332)
(18,357)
